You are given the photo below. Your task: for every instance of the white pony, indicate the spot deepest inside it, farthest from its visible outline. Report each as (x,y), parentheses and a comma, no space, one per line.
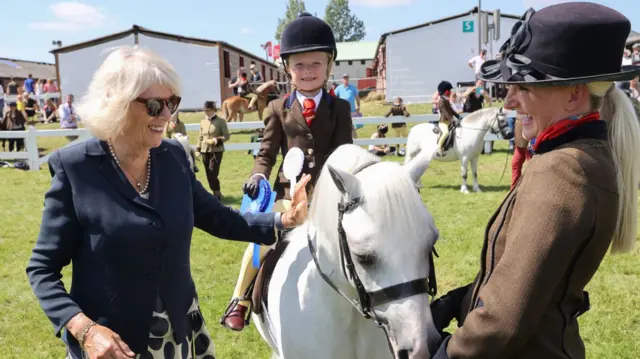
(468,142)
(184,142)
(388,235)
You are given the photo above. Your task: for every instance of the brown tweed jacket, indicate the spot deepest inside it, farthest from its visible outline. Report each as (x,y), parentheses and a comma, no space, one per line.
(541,248)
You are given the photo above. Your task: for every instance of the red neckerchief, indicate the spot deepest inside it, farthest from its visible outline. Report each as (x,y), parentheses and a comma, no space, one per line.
(562,127)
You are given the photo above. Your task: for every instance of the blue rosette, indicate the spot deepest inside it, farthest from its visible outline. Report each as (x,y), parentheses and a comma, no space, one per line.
(262,204)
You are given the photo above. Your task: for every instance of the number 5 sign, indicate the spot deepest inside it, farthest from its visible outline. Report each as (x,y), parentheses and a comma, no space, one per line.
(467,26)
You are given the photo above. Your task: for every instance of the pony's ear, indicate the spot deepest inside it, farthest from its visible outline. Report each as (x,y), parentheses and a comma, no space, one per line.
(419,164)
(347,183)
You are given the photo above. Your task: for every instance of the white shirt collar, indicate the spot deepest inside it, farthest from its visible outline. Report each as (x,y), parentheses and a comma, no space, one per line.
(316,98)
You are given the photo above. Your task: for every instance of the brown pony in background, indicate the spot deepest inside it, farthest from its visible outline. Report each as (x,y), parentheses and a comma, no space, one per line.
(237,105)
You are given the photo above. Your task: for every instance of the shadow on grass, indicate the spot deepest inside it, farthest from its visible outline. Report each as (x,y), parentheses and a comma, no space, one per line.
(231,200)
(503,188)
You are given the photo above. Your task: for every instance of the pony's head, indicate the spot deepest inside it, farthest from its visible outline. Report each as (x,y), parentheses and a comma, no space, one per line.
(390,235)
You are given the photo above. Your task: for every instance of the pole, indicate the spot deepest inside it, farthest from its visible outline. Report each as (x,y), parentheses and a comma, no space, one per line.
(479,26)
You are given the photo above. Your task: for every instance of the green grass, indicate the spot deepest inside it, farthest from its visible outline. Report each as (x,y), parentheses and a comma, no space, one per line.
(610,330)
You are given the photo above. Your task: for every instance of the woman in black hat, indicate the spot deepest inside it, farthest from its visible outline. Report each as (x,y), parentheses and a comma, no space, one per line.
(309,118)
(576,199)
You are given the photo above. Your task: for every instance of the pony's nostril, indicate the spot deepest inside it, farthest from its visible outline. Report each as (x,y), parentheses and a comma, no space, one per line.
(403,354)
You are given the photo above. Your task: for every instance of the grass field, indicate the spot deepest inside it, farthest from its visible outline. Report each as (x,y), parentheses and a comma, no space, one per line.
(610,330)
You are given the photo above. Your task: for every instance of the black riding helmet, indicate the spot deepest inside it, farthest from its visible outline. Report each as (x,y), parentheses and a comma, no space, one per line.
(444,86)
(383,129)
(305,34)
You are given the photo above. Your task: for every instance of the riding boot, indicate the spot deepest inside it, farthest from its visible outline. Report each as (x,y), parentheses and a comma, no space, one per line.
(234,317)
(218,195)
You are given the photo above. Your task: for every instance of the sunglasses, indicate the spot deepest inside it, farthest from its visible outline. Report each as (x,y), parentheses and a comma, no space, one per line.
(156,105)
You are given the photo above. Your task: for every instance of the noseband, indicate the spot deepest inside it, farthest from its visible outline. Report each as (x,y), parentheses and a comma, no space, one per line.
(368,300)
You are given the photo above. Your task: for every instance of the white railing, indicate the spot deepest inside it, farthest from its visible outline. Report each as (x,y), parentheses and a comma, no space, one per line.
(35,161)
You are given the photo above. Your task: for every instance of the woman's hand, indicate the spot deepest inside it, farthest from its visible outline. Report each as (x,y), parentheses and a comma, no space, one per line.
(102,343)
(298,212)
(212,141)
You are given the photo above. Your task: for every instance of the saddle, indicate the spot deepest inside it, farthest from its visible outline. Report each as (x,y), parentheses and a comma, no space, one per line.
(448,143)
(259,290)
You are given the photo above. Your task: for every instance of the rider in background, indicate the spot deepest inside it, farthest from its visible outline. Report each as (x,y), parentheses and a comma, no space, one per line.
(446,114)
(309,118)
(255,80)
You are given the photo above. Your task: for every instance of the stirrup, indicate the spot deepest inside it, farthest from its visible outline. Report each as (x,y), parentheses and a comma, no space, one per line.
(234,302)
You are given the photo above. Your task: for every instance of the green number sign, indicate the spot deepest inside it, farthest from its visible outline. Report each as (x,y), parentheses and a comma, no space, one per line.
(467,26)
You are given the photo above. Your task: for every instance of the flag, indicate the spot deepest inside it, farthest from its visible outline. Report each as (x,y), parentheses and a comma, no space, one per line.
(276,51)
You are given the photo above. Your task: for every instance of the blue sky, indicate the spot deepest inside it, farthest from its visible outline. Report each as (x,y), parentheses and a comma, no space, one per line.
(245,24)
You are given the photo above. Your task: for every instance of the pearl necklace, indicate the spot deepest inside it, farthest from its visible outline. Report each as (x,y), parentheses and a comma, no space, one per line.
(138,184)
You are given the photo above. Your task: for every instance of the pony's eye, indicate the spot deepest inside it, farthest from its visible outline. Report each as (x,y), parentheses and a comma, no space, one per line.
(367,259)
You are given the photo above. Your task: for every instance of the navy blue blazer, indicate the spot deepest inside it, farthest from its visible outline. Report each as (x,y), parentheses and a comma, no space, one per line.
(125,249)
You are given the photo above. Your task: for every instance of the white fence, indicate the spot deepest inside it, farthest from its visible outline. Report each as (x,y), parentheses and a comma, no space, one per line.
(34,160)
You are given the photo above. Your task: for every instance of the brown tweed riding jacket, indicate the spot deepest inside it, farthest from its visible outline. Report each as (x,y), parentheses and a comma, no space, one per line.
(541,248)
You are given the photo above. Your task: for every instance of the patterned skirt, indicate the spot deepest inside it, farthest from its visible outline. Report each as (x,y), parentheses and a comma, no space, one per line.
(164,345)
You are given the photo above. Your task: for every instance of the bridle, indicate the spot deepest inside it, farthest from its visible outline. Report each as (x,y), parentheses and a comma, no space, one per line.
(368,300)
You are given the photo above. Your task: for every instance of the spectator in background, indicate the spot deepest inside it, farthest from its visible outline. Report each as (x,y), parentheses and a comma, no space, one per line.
(456,102)
(40,93)
(31,108)
(476,62)
(1,100)
(626,58)
(635,56)
(12,88)
(475,98)
(255,80)
(68,117)
(14,121)
(50,87)
(399,128)
(634,89)
(30,85)
(213,134)
(20,105)
(379,150)
(256,76)
(50,111)
(347,91)
(175,126)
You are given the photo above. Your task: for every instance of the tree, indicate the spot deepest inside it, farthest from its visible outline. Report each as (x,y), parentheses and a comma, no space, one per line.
(345,26)
(294,8)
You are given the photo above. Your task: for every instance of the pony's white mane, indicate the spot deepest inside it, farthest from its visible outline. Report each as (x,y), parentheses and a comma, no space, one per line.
(483,113)
(390,197)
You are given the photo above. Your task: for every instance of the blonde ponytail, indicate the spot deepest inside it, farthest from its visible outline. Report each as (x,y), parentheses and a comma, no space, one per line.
(624,140)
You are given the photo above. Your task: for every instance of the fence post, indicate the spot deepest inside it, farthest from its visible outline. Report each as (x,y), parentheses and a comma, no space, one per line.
(487,147)
(32,148)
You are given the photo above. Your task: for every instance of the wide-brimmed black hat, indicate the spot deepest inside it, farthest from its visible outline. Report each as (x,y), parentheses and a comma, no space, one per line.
(568,43)
(305,34)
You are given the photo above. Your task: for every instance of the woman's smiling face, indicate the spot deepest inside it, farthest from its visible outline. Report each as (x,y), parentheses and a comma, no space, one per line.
(541,106)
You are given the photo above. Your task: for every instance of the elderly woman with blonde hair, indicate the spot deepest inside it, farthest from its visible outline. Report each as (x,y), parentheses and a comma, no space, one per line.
(576,201)
(109,213)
